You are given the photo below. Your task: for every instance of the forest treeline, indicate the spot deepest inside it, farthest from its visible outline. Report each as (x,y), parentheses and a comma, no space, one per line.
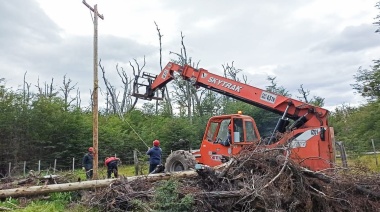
(47,125)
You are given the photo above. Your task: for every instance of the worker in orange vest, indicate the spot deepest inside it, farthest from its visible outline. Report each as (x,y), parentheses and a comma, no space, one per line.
(112,163)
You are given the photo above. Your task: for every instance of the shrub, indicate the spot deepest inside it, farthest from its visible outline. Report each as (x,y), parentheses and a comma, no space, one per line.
(167,198)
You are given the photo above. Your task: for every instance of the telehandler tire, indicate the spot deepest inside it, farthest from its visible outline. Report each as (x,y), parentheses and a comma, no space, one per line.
(180,160)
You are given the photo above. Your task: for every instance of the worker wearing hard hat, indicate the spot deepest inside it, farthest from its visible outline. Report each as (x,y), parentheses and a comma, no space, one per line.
(87,163)
(154,155)
(111,163)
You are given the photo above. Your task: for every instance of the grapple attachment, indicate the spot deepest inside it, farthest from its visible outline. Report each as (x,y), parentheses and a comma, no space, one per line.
(143,89)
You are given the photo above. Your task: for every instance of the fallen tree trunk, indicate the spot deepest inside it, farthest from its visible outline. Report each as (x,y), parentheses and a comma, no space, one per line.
(38,190)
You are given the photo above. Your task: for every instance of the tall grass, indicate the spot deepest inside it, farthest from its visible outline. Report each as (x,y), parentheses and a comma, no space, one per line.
(124,171)
(56,202)
(368,161)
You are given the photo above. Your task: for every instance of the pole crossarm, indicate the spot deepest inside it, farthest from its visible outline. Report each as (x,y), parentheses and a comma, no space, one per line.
(92,9)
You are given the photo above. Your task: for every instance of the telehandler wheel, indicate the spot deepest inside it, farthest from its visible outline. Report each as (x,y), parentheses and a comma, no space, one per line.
(180,160)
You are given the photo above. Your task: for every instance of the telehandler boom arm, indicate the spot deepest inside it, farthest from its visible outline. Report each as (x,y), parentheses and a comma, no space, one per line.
(290,108)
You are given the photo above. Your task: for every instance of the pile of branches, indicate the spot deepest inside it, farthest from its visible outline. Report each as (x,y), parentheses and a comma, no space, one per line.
(258,180)
(121,196)
(269,180)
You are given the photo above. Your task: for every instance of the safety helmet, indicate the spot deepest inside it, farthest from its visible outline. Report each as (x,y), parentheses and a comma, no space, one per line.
(91,149)
(156,143)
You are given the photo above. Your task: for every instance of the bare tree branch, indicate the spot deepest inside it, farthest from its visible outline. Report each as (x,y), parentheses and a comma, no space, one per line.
(110,89)
(304,94)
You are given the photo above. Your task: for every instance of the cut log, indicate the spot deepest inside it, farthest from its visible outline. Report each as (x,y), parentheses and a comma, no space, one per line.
(38,190)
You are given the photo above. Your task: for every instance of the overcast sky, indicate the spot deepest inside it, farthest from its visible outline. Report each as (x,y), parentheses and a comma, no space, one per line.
(317,43)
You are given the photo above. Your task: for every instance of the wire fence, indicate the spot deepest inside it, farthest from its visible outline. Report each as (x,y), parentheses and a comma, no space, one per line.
(46,167)
(23,168)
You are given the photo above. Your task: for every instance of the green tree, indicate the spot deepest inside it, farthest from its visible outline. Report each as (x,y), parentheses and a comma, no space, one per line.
(368,82)
(57,133)
(357,126)
(10,135)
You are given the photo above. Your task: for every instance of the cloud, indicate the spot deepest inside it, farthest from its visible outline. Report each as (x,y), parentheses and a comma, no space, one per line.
(34,44)
(313,43)
(351,39)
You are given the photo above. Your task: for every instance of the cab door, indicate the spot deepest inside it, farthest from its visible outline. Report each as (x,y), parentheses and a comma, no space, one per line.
(245,133)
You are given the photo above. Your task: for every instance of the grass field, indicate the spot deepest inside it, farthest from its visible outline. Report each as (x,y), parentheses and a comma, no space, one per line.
(124,170)
(368,161)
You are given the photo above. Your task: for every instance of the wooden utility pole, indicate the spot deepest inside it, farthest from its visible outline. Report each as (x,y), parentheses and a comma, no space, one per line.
(95,109)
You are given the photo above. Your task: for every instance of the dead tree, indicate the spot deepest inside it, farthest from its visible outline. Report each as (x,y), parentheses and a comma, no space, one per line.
(230,71)
(126,103)
(26,91)
(304,94)
(316,100)
(111,92)
(136,71)
(166,96)
(186,95)
(78,99)
(66,89)
(274,88)
(48,90)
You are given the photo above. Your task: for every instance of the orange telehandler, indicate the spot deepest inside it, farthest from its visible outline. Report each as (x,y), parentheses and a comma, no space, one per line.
(303,127)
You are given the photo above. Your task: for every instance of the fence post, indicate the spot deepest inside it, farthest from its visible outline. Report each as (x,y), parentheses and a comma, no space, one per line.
(374,151)
(24,168)
(343,155)
(73,164)
(55,165)
(136,161)
(39,166)
(9,169)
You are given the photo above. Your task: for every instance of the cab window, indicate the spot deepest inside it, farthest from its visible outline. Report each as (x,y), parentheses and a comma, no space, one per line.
(211,131)
(250,130)
(223,130)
